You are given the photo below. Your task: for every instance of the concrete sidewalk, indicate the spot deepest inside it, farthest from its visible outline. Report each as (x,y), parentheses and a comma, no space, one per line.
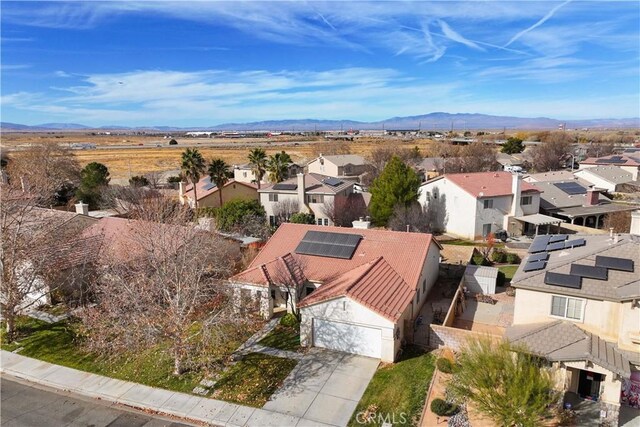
(199,409)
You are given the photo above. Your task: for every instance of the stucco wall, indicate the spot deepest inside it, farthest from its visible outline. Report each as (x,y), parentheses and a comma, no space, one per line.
(609,388)
(612,321)
(230,192)
(595,180)
(459,204)
(346,310)
(328,168)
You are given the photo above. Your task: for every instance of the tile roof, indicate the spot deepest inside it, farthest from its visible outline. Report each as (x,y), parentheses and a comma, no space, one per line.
(314,184)
(206,182)
(487,184)
(375,285)
(612,174)
(620,285)
(396,256)
(565,341)
(626,160)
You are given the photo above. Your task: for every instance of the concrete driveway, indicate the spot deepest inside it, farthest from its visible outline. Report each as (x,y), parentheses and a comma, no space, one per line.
(324,388)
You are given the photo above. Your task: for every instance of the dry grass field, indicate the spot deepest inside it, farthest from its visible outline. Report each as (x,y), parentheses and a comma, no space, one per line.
(127,155)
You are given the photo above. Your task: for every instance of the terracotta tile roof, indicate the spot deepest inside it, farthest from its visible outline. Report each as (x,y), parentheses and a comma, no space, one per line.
(625,160)
(375,285)
(211,188)
(489,184)
(565,341)
(314,184)
(392,245)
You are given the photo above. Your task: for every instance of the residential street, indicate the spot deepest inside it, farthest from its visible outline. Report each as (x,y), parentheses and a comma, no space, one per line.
(25,406)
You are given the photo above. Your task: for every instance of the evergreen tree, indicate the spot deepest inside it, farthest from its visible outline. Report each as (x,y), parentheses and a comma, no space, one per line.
(397,185)
(93,179)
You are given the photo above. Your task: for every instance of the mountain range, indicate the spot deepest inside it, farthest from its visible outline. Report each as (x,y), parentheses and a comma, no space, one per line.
(432,121)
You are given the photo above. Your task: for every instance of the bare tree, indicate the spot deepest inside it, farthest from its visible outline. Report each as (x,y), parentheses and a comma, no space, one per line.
(291,282)
(41,252)
(550,155)
(284,209)
(155,179)
(162,283)
(600,149)
(409,218)
(343,210)
(46,169)
(619,221)
(435,211)
(475,157)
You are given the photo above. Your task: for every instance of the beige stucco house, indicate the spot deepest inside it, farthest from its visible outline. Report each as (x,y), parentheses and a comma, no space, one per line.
(579,307)
(359,290)
(208,196)
(339,166)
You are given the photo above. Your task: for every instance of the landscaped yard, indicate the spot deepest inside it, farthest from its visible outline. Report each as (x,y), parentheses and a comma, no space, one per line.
(397,391)
(59,343)
(283,338)
(253,379)
(509,271)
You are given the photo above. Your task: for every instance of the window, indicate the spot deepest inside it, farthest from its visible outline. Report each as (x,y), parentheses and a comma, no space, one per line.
(526,200)
(319,221)
(315,198)
(272,220)
(570,308)
(488,203)
(273,197)
(273,294)
(310,289)
(326,222)
(244,174)
(424,285)
(486,229)
(418,296)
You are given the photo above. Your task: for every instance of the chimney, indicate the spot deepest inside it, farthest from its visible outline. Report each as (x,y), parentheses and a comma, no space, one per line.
(301,192)
(82,208)
(635,223)
(516,190)
(362,225)
(592,197)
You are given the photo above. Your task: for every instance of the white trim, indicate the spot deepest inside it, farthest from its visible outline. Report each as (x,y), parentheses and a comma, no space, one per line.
(582,310)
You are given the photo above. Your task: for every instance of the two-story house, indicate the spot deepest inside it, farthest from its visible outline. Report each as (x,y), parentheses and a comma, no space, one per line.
(209,194)
(307,193)
(345,166)
(477,204)
(577,304)
(628,161)
(357,290)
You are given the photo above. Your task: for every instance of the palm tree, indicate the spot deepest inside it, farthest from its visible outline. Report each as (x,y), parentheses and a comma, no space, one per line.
(278,166)
(219,173)
(258,162)
(193,166)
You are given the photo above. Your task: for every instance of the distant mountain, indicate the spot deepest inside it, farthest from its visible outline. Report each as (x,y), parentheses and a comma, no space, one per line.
(433,121)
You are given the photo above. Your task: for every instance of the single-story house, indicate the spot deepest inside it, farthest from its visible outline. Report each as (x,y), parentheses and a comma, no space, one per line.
(208,193)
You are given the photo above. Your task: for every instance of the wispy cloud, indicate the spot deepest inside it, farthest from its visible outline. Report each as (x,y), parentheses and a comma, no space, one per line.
(14,67)
(544,19)
(453,35)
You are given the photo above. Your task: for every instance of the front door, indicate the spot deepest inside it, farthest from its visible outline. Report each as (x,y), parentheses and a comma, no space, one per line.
(589,385)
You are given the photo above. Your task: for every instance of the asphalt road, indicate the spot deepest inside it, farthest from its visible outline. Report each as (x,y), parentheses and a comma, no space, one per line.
(26,405)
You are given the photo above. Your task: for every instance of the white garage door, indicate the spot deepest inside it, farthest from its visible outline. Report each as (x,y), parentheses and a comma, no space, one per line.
(347,337)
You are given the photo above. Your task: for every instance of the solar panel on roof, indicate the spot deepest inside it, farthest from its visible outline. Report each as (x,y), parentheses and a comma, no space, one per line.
(558,238)
(286,187)
(599,273)
(534,266)
(555,246)
(326,244)
(574,243)
(613,263)
(571,188)
(334,182)
(540,256)
(563,280)
(539,244)
(208,187)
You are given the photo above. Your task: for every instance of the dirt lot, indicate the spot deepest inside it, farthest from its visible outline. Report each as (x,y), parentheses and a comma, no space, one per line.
(127,155)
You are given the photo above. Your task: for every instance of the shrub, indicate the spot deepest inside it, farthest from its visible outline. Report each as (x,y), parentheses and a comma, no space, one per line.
(513,259)
(235,213)
(138,181)
(480,260)
(442,408)
(302,218)
(502,278)
(289,320)
(174,180)
(444,365)
(173,142)
(498,256)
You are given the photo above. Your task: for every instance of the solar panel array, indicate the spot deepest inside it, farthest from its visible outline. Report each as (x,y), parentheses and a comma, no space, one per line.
(286,187)
(571,188)
(598,273)
(534,266)
(334,182)
(556,246)
(614,160)
(539,244)
(563,280)
(558,238)
(612,263)
(331,245)
(209,186)
(540,256)
(574,243)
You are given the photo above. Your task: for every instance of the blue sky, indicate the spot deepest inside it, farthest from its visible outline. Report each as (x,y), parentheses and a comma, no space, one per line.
(204,63)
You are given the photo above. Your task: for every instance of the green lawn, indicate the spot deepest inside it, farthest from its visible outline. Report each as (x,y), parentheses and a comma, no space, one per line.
(398,390)
(253,379)
(58,343)
(509,271)
(282,337)
(462,242)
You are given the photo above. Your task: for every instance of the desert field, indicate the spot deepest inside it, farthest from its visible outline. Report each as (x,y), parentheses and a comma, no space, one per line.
(129,155)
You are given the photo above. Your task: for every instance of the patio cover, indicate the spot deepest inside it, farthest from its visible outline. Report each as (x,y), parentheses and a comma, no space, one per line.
(539,219)
(595,210)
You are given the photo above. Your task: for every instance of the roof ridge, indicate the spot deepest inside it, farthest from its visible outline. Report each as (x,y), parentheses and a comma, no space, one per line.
(371,263)
(543,326)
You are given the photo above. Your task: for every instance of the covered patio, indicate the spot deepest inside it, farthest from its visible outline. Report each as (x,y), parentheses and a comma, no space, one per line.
(530,224)
(592,216)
